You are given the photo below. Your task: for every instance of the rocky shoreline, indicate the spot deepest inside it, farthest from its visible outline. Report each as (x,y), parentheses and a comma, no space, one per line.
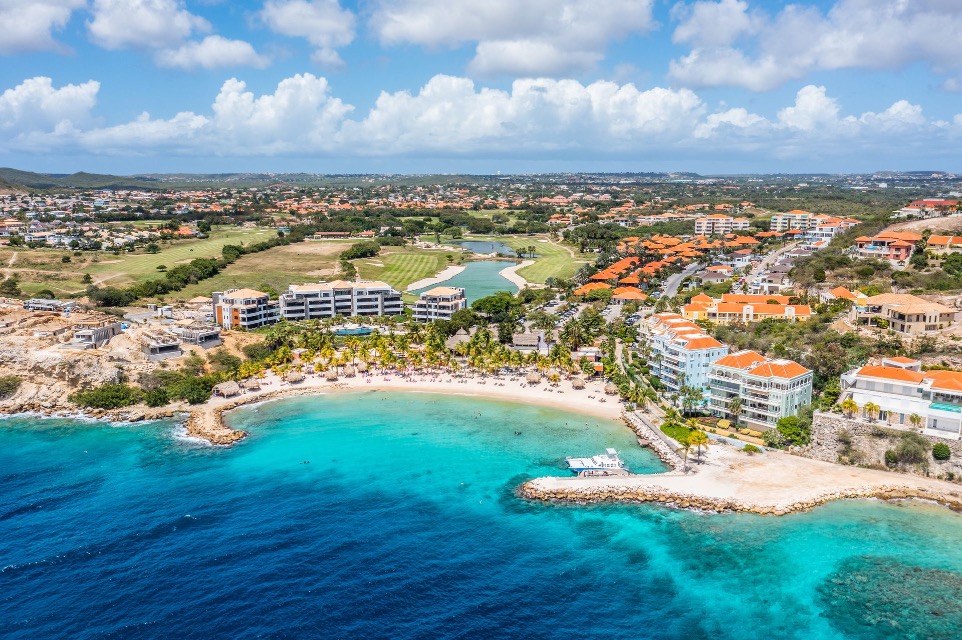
(609,492)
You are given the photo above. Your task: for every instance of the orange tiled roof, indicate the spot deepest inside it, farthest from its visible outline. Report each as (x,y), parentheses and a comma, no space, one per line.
(779,369)
(740,360)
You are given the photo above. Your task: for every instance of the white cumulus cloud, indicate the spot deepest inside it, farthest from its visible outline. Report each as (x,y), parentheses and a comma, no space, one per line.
(455,117)
(27,25)
(531,38)
(142,24)
(211,53)
(733,44)
(35,104)
(323,23)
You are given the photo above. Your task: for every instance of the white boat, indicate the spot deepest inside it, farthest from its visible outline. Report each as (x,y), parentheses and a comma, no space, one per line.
(607,461)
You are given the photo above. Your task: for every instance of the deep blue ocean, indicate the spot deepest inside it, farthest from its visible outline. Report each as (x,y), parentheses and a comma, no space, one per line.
(378,515)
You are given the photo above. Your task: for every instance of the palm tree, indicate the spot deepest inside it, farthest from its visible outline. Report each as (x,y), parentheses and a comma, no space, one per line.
(849,406)
(735,408)
(698,439)
(871,410)
(915,420)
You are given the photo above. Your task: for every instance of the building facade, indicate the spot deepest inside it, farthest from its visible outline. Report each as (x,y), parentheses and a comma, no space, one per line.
(900,389)
(745,308)
(681,352)
(769,389)
(340,298)
(719,224)
(903,313)
(244,309)
(439,303)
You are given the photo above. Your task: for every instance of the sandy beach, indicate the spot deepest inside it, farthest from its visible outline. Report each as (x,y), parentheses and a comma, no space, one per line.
(511,274)
(206,420)
(442,276)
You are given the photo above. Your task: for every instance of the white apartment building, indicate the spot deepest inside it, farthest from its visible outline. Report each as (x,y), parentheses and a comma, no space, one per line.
(340,298)
(719,224)
(769,389)
(805,220)
(244,309)
(681,352)
(900,389)
(439,303)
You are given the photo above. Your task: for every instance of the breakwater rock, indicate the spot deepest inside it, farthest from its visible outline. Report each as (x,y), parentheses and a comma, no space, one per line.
(636,490)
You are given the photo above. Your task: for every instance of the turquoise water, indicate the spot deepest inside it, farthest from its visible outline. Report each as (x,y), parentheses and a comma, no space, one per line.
(480,279)
(358,331)
(485,246)
(401,521)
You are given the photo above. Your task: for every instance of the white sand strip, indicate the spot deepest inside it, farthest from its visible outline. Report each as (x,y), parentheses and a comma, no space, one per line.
(511,274)
(446,274)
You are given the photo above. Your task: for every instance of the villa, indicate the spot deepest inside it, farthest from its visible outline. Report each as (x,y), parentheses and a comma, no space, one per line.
(888,245)
(769,389)
(903,313)
(901,389)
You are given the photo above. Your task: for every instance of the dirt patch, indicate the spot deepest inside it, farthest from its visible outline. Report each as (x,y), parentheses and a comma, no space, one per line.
(939,226)
(315,248)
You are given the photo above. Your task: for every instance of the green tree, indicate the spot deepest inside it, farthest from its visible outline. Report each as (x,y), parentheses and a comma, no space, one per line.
(941,451)
(793,431)
(735,409)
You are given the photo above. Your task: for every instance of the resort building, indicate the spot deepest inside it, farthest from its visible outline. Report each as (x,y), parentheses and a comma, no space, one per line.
(903,313)
(681,352)
(769,389)
(805,220)
(841,293)
(719,224)
(244,309)
(340,298)
(929,208)
(900,389)
(887,245)
(439,303)
(944,245)
(745,308)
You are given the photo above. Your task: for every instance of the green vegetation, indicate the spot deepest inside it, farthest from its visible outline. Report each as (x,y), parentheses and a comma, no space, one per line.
(552,260)
(941,451)
(361,250)
(791,431)
(676,431)
(108,396)
(9,385)
(751,449)
(400,266)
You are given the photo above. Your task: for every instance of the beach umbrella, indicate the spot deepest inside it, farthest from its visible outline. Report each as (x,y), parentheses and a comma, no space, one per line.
(294,376)
(331,375)
(362,367)
(577,383)
(227,389)
(611,389)
(534,377)
(251,384)
(349,371)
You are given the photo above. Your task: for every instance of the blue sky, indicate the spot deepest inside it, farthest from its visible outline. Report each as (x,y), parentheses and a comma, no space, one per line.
(714,86)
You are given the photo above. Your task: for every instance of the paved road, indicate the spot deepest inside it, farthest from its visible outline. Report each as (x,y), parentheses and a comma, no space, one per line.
(769,259)
(671,285)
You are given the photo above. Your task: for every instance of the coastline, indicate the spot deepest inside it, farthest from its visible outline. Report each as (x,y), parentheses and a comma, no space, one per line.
(726,480)
(511,275)
(206,420)
(442,276)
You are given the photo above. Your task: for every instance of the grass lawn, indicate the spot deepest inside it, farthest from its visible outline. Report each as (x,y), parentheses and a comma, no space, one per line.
(276,268)
(554,260)
(400,266)
(127,268)
(676,432)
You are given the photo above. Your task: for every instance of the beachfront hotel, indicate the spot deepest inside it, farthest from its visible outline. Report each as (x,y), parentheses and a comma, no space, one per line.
(244,309)
(340,298)
(769,389)
(681,352)
(900,389)
(439,303)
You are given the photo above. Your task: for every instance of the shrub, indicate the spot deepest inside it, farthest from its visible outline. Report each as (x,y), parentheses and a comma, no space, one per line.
(751,449)
(9,385)
(891,459)
(361,250)
(156,397)
(108,396)
(941,451)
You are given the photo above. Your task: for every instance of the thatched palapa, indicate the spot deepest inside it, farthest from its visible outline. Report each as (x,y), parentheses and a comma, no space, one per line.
(577,383)
(534,377)
(294,376)
(227,389)
(331,375)
(611,389)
